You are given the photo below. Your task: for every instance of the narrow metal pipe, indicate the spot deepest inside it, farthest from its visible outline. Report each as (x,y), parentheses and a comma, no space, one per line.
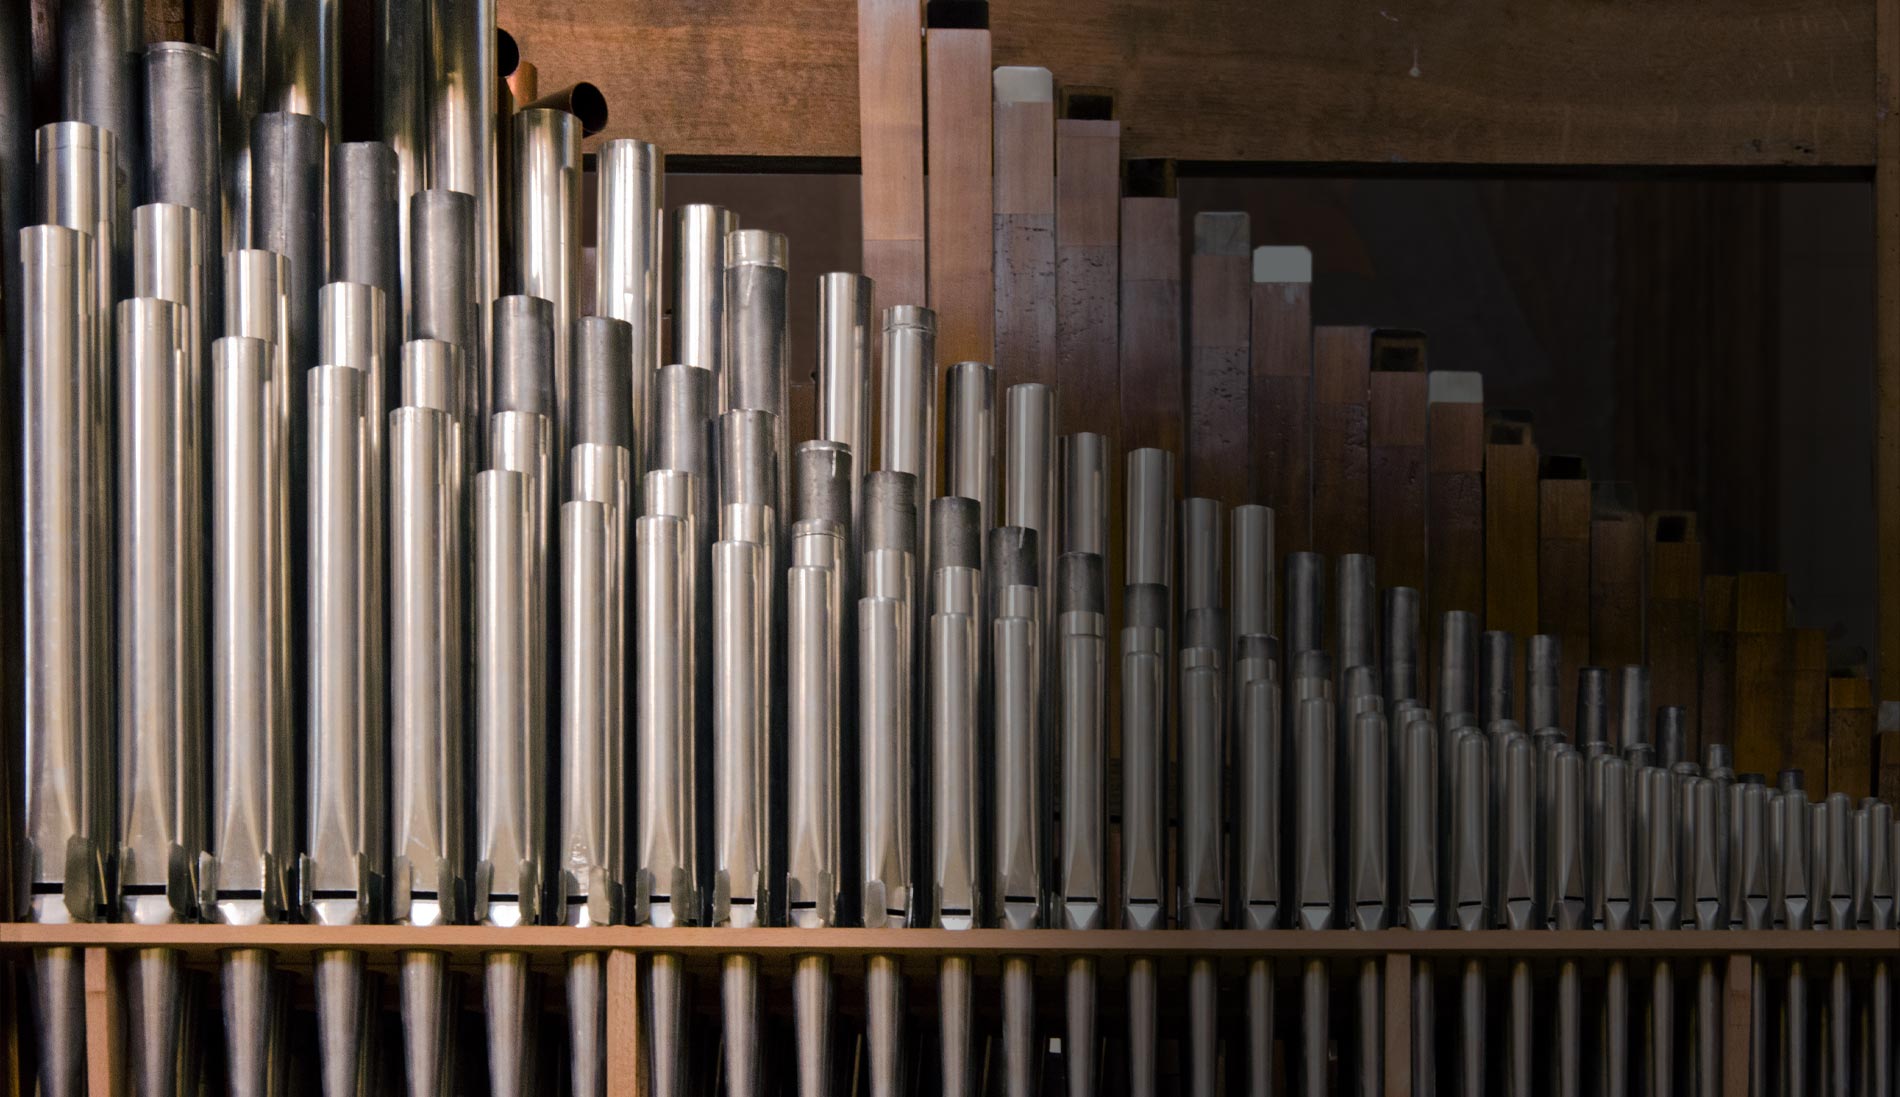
(1142,1023)
(1496,700)
(289,215)
(1022,1060)
(1542,669)
(884,1026)
(697,262)
(811,1014)
(844,371)
(740,1012)
(99,79)
(1203,884)
(741,706)
(1014,612)
(181,119)
(366,216)
(589,836)
(508,1000)
(884,730)
(1400,623)
(441,294)
(1457,664)
(1593,705)
(462,80)
(969,437)
(1633,719)
(1085,494)
(631,186)
(1081,627)
(1305,603)
(1149,517)
(758,335)
(955,653)
(59,993)
(1144,674)
(1313,869)
(666,884)
(956,987)
(1470,895)
(1356,634)
(546,235)
(510,727)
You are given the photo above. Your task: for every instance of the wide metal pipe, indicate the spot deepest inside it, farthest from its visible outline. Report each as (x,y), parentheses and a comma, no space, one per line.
(815,873)
(547,235)
(884,745)
(588,839)
(99,85)
(366,216)
(759,336)
(955,654)
(741,719)
(510,723)
(343,846)
(844,371)
(289,215)
(181,119)
(399,55)
(666,881)
(160,623)
(698,267)
(969,436)
(1081,626)
(631,185)
(429,749)
(442,294)
(1144,673)
(1015,614)
(253,765)
(462,82)
(78,183)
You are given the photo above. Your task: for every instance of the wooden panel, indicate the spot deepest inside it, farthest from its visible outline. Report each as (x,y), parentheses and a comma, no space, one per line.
(957,192)
(1850,737)
(1738,1006)
(1887,747)
(1151,325)
(1398,1025)
(1616,578)
(891,152)
(1342,359)
(105,1021)
(1756,82)
(1808,709)
(1024,116)
(1759,712)
(1088,266)
(626,1065)
(1280,393)
(1563,570)
(1219,304)
(1397,439)
(1511,523)
(1674,625)
(1717,695)
(1455,527)
(1887,356)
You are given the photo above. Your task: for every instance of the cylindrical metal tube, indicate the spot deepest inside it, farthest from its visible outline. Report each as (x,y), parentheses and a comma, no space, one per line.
(428,749)
(1203,884)
(884,1026)
(1313,836)
(547,235)
(1149,517)
(1021,1061)
(589,838)
(1257,781)
(1495,700)
(442,288)
(1401,644)
(884,708)
(160,640)
(741,711)
(815,873)
(289,214)
(1366,758)
(1457,664)
(344,761)
(1250,609)
(1014,613)
(1593,705)
(1081,628)
(1419,888)
(631,178)
(365,219)
(99,79)
(844,370)
(524,363)
(601,398)
(1542,669)
(510,727)
(240,50)
(1356,639)
(252,762)
(1305,603)
(667,863)
(758,335)
(969,436)
(400,57)
(698,263)
(1085,493)
(181,119)
(682,405)
(954,773)
(460,105)
(301,61)
(1144,672)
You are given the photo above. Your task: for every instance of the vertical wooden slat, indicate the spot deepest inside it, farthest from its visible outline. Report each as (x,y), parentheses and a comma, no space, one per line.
(1738,1004)
(891,149)
(1342,359)
(1616,577)
(1807,748)
(1455,498)
(1887,352)
(1219,304)
(1280,393)
(1024,116)
(1398,1024)
(957,192)
(105,1038)
(1510,533)
(1850,738)
(1563,569)
(1397,441)
(1088,291)
(626,1065)
(1717,695)
(1151,311)
(1760,708)
(1674,625)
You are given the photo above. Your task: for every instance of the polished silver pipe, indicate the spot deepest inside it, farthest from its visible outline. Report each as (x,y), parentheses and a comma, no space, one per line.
(1516,843)
(1313,867)
(1142,1024)
(884,1025)
(1082,683)
(666,1019)
(1612,803)
(955,988)
(1496,690)
(546,234)
(955,653)
(811,1020)
(240,51)
(908,390)
(78,183)
(814,879)
(1203,883)
(697,264)
(509,991)
(99,80)
(181,120)
(510,723)
(1030,481)
(400,59)
(1014,612)
(153,985)
(443,299)
(667,861)
(844,372)
(366,215)
(1368,884)
(741,707)
(301,60)
(1543,664)
(1457,664)
(884,730)
(969,437)
(1203,612)
(631,186)
(59,999)
(1144,676)
(1021,1056)
(1149,517)
(1593,706)
(289,215)
(1566,907)
(1085,493)
(1470,894)
(758,339)
(159,614)
(459,103)
(253,764)
(1257,784)
(428,749)
(589,836)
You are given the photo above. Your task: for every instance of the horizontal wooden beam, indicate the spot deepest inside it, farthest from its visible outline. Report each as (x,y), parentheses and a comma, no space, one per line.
(1752,83)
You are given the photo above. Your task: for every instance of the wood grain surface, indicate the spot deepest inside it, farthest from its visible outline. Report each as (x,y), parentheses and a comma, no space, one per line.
(957,192)
(1674,623)
(1760,709)
(1850,738)
(1220,290)
(1342,474)
(1563,569)
(1024,232)
(1151,326)
(1399,427)
(1455,522)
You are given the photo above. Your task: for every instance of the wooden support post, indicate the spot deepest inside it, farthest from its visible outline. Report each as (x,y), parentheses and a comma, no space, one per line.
(1219,299)
(1398,1024)
(1510,534)
(1342,359)
(1738,1004)
(1808,712)
(1717,696)
(1850,739)
(1563,569)
(1760,707)
(1616,577)
(1088,265)
(1887,352)
(957,192)
(1455,496)
(1399,423)
(1024,129)
(105,1021)
(626,1052)
(1151,310)
(891,149)
(1280,398)
(1674,626)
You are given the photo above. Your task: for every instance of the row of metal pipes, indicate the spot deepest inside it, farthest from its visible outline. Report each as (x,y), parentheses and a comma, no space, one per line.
(357,592)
